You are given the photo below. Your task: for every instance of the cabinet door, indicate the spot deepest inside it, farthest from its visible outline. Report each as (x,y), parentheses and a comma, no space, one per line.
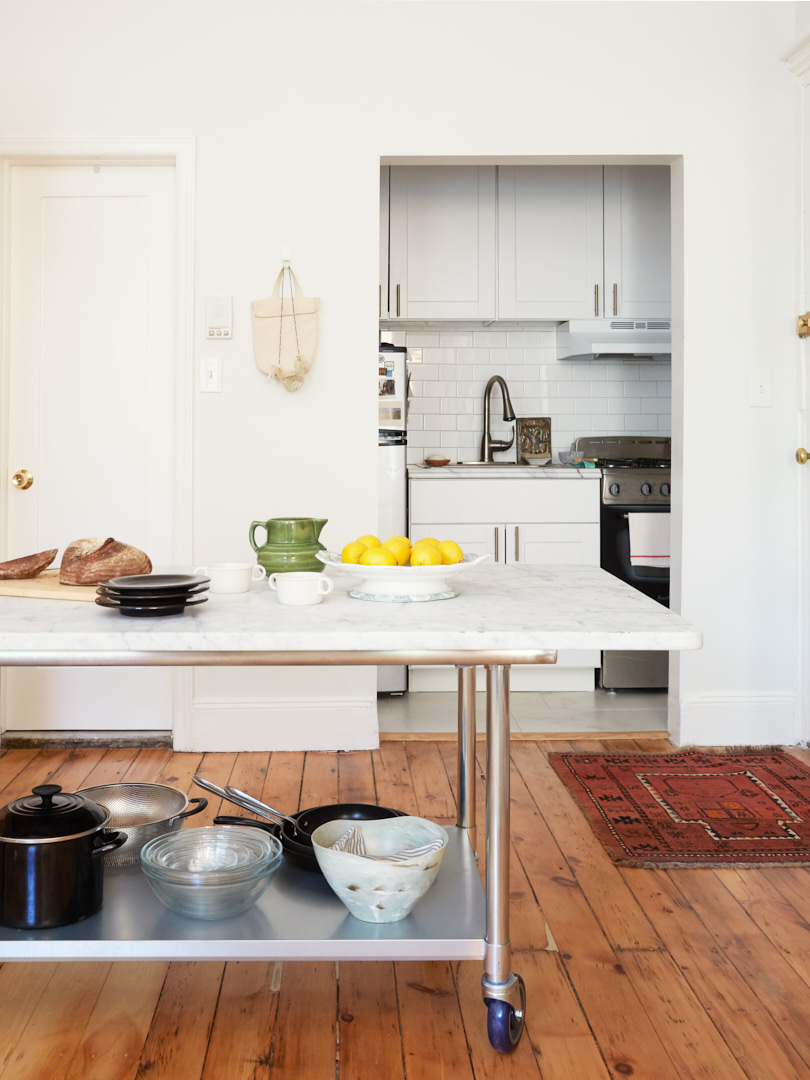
(547,545)
(442,237)
(476,539)
(637,241)
(385,179)
(550,242)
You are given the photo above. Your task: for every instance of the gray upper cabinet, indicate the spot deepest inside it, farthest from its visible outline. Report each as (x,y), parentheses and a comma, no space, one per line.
(550,253)
(524,242)
(385,181)
(637,241)
(442,242)
(583,241)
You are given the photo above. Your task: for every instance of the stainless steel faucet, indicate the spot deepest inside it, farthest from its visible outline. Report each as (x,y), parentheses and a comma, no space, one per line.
(488,444)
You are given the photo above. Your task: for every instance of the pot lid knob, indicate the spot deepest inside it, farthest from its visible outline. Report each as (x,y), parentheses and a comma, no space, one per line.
(47,792)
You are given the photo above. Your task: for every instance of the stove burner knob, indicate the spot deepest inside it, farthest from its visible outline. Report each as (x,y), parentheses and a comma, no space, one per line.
(614,489)
(646,489)
(665,489)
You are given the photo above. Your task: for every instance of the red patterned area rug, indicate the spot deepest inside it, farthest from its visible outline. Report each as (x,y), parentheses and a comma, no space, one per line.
(694,809)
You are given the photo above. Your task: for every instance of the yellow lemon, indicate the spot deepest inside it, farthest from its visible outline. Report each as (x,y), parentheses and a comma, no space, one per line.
(450,551)
(398,539)
(352,552)
(378,556)
(401,550)
(428,540)
(369,541)
(426,555)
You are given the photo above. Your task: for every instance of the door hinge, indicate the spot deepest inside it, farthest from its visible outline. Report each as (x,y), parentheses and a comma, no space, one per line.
(803,325)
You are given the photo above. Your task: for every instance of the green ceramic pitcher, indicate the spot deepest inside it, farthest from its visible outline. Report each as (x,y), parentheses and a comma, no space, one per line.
(291,544)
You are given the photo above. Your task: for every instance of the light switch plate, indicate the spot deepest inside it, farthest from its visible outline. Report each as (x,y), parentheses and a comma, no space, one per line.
(211,374)
(761,389)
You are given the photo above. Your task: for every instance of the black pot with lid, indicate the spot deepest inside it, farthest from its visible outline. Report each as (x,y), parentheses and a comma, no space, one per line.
(51,865)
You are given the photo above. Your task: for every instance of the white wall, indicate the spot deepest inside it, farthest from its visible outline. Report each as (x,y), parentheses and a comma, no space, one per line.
(293,105)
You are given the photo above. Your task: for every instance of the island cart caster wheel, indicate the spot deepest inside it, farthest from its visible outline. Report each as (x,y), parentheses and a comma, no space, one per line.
(505,1021)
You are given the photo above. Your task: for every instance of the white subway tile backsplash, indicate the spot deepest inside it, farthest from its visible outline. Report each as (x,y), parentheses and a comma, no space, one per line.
(454,363)
(425,339)
(455,341)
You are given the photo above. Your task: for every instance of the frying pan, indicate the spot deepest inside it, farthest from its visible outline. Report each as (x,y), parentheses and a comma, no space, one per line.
(298,854)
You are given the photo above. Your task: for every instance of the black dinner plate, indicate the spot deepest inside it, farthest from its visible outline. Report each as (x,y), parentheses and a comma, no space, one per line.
(149,610)
(157,597)
(155,582)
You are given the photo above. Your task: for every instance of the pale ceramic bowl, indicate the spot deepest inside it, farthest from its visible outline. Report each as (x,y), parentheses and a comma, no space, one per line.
(380,892)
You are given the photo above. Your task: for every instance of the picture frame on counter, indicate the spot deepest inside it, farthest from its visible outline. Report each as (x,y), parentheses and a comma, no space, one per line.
(533,438)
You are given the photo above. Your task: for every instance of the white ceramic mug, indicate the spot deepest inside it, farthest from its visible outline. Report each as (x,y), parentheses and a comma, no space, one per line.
(232,577)
(300,587)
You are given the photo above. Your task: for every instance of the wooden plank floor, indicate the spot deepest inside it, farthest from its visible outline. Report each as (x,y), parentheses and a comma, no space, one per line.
(655,975)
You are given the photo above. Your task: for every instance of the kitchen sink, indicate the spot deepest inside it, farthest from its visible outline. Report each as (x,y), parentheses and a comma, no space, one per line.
(494,464)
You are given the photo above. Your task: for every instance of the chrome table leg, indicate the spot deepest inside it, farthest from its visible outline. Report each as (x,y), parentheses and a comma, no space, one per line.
(503,991)
(466,747)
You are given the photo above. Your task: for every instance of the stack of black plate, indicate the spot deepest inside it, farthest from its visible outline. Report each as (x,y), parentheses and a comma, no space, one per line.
(151,595)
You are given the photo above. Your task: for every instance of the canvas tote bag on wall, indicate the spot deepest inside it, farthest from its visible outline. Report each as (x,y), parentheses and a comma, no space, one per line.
(285,331)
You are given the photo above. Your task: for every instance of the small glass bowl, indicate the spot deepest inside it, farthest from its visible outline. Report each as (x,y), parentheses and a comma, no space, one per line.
(214,872)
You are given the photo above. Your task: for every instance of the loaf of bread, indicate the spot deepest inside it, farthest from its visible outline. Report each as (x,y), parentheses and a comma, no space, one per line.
(28,565)
(87,562)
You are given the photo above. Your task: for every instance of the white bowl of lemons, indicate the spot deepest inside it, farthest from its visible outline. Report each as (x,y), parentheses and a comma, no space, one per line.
(396,571)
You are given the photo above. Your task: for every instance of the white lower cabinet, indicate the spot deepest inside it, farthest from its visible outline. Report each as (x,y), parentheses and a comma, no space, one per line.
(558,523)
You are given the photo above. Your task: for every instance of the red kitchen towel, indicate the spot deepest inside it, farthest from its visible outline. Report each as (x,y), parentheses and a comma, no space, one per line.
(649,539)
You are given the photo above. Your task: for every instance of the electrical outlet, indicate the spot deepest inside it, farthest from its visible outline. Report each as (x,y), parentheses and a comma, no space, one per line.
(211,374)
(761,394)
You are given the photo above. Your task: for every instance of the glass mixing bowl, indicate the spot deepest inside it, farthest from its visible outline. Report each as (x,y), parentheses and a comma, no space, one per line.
(215,872)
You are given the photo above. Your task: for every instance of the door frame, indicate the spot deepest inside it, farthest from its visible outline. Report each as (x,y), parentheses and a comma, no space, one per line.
(799,64)
(179,151)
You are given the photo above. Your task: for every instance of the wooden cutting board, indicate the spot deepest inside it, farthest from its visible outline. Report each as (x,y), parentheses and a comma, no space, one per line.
(46,586)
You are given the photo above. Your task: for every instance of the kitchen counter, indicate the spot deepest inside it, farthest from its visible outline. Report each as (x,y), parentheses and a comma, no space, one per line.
(497,472)
(499,607)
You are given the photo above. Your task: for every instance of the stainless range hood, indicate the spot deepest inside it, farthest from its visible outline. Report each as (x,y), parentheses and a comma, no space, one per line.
(615,339)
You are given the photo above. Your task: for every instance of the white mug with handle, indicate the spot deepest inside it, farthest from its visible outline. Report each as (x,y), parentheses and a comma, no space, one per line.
(232,577)
(300,587)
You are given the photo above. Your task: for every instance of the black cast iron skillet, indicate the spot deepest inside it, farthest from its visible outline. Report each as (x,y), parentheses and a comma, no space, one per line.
(297,854)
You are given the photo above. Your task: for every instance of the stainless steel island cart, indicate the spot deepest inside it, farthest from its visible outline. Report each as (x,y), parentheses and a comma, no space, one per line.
(502,616)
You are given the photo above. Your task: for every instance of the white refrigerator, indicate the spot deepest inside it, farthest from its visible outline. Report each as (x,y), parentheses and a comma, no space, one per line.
(392,485)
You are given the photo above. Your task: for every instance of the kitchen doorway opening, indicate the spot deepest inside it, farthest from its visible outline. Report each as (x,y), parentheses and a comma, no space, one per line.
(456,342)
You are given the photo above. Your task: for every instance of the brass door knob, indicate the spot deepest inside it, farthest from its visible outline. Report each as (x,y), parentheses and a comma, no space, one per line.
(801,456)
(22,479)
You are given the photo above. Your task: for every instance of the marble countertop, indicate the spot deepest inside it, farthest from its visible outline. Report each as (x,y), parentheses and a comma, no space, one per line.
(498,608)
(494,472)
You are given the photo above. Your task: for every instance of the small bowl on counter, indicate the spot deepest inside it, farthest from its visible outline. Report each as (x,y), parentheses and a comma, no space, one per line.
(215,872)
(384,884)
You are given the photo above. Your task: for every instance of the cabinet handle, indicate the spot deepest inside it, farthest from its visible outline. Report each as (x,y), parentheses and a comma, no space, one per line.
(615,298)
(517,543)
(380,312)
(497,546)
(596,299)
(397,299)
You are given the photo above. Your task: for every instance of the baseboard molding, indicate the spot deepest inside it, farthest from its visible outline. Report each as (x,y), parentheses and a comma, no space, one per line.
(723,719)
(61,740)
(529,736)
(241,726)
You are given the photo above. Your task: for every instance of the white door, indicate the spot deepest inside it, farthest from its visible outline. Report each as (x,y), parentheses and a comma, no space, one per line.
(442,235)
(91,405)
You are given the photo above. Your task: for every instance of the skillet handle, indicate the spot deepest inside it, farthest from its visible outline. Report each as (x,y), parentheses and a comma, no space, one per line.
(267,826)
(201,805)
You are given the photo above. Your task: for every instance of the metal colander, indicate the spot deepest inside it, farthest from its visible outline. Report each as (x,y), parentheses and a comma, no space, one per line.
(143,811)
